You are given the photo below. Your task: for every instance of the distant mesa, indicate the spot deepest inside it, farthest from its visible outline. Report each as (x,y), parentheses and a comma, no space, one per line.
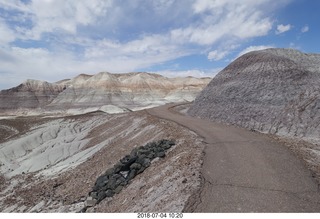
(273,91)
(111,93)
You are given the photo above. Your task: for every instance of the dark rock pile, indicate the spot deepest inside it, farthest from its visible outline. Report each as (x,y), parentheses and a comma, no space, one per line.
(115,178)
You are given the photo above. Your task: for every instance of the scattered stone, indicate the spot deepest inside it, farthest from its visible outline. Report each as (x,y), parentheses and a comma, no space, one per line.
(131,174)
(109,193)
(115,178)
(124,173)
(141,170)
(144,161)
(102,181)
(118,189)
(90,202)
(135,166)
(109,172)
(118,167)
(161,154)
(94,195)
(101,196)
(112,184)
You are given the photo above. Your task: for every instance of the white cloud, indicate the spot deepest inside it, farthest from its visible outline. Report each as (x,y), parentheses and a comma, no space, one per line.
(283,28)
(67,37)
(217,55)
(254,48)
(58,15)
(305,29)
(225,19)
(6,34)
(194,72)
(19,64)
(201,6)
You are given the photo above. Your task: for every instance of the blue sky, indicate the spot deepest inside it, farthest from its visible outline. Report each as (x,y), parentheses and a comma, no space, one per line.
(56,39)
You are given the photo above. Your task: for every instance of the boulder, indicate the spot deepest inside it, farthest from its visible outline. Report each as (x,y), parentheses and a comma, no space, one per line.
(134,152)
(118,167)
(109,172)
(101,196)
(141,169)
(161,154)
(135,166)
(109,193)
(94,195)
(131,175)
(114,181)
(144,161)
(101,181)
(118,189)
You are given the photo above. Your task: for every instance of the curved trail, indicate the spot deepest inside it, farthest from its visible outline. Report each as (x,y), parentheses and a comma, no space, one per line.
(245,171)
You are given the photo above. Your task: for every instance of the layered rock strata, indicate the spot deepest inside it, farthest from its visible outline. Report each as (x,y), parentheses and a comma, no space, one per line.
(112,93)
(273,91)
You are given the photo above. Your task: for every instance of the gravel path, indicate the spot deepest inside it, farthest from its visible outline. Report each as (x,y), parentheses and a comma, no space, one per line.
(245,171)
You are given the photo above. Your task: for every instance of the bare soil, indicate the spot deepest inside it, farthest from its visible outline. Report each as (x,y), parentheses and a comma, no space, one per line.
(164,187)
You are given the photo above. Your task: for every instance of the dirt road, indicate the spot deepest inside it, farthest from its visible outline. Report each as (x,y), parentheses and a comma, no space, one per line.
(245,171)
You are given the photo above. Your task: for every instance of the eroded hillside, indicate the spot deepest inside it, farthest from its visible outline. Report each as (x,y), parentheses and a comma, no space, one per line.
(51,164)
(273,91)
(112,93)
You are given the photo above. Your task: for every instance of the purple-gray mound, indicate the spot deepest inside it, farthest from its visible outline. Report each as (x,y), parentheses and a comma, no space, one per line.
(273,91)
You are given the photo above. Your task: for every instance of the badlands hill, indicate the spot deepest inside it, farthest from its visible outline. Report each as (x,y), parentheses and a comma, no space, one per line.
(104,91)
(44,160)
(273,91)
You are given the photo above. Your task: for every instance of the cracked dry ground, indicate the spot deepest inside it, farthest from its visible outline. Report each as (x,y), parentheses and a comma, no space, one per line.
(163,187)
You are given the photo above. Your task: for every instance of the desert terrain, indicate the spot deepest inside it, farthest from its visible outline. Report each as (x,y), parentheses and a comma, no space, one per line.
(245,141)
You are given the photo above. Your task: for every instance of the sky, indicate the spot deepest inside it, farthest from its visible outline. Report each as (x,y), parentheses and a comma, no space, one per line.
(53,40)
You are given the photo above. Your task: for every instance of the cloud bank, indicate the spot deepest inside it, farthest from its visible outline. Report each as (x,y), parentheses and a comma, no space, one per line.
(50,40)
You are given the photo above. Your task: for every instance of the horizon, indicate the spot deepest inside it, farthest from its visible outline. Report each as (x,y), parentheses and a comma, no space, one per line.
(54,40)
(91,75)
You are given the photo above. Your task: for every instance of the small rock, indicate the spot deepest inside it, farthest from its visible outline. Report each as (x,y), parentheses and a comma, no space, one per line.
(101,196)
(101,181)
(131,174)
(166,146)
(120,181)
(112,184)
(90,202)
(124,173)
(109,172)
(109,193)
(82,199)
(141,169)
(118,167)
(146,162)
(134,152)
(143,152)
(184,181)
(94,195)
(135,166)
(118,189)
(128,160)
(125,159)
(161,154)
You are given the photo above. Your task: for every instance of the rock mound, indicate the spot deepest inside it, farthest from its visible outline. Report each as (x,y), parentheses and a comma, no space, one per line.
(273,91)
(114,179)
